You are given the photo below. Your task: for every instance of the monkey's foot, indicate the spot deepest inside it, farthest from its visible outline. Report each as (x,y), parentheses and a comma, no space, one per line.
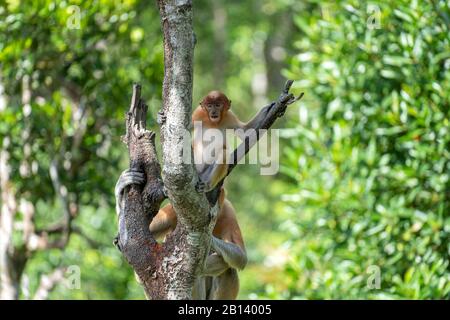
(128,177)
(161,117)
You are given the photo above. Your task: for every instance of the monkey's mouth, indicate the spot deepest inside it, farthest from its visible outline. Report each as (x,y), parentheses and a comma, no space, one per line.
(214,117)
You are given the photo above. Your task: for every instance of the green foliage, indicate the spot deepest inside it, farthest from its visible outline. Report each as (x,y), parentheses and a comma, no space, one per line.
(364,180)
(79,81)
(370,154)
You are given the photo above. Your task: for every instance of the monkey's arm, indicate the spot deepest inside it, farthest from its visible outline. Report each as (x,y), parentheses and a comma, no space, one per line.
(231,253)
(258,119)
(211,175)
(227,243)
(227,255)
(233,121)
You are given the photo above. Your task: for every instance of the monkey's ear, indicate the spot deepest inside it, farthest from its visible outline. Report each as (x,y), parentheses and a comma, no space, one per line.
(229,104)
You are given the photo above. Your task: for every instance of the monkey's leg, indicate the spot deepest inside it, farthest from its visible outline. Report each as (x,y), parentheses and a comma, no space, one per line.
(231,253)
(204,172)
(199,289)
(211,176)
(225,286)
(164,222)
(214,265)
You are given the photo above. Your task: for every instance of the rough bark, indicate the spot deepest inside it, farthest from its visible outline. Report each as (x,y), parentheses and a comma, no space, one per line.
(193,211)
(167,270)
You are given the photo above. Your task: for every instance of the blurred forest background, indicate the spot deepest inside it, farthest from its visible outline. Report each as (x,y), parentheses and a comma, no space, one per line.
(363,192)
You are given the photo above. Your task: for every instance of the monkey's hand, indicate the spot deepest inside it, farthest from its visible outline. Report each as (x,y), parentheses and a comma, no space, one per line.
(231,253)
(210,176)
(127,178)
(214,265)
(161,117)
(281,111)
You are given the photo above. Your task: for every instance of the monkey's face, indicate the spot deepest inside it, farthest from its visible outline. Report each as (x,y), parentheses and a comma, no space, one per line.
(214,109)
(215,104)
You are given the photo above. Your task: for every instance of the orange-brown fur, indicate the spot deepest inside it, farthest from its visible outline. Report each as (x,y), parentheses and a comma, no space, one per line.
(227,120)
(226,228)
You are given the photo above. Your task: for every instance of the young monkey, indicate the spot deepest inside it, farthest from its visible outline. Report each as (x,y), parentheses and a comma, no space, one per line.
(214,114)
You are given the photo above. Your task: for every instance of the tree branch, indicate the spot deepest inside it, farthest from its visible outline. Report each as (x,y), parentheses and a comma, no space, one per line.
(8,279)
(134,233)
(48,283)
(137,244)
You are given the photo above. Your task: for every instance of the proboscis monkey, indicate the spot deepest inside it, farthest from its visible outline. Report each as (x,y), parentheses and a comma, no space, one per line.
(219,279)
(214,113)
